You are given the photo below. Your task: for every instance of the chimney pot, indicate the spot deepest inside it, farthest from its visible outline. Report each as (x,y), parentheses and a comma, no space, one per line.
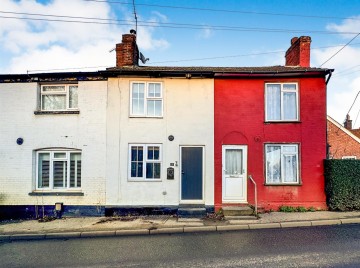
(348,123)
(293,40)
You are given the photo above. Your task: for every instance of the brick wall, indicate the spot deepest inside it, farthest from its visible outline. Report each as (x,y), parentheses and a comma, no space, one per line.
(127,52)
(341,141)
(299,52)
(85,131)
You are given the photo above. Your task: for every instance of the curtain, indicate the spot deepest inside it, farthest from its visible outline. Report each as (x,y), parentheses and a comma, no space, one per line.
(53,102)
(289,168)
(289,99)
(73,96)
(273,105)
(233,161)
(273,165)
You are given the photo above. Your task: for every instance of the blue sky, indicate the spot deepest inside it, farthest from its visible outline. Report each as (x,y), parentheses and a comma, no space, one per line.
(253,33)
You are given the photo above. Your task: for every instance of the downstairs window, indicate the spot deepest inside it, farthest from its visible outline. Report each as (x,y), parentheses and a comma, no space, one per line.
(58,170)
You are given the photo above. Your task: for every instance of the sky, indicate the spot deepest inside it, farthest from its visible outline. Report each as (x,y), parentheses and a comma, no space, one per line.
(80,35)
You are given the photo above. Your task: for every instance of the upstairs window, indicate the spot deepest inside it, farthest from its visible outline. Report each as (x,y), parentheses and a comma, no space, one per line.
(145,162)
(282,163)
(58,170)
(146,99)
(59,97)
(281,101)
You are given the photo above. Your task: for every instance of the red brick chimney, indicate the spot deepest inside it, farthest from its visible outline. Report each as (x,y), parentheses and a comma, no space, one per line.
(127,52)
(299,52)
(348,122)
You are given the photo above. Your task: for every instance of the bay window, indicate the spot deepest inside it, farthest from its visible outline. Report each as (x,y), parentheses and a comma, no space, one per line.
(58,170)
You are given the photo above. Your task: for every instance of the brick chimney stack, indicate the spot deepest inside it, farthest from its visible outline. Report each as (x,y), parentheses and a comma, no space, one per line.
(348,123)
(127,52)
(299,52)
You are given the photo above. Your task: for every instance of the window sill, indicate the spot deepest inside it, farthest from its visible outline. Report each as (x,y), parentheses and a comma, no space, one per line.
(49,193)
(282,184)
(282,122)
(144,180)
(144,116)
(56,112)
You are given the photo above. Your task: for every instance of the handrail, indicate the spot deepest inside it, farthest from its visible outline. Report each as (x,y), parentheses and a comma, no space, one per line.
(251,178)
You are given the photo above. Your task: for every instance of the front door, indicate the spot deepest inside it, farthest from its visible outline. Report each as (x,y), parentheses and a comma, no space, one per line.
(234,173)
(191,173)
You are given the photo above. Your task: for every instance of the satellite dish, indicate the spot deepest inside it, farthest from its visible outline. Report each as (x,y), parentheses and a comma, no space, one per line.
(143,59)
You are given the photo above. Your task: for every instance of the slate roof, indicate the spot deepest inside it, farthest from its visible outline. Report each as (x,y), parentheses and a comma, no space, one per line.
(167,71)
(265,69)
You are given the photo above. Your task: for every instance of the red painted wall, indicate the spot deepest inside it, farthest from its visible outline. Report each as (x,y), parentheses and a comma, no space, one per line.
(240,120)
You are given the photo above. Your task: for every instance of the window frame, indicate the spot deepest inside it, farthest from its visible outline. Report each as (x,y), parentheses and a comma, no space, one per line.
(146,98)
(145,161)
(65,92)
(282,91)
(53,159)
(282,179)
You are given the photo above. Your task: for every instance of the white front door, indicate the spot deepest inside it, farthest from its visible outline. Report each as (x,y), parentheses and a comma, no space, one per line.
(234,173)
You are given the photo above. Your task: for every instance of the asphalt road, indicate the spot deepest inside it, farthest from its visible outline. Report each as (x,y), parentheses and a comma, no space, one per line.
(331,246)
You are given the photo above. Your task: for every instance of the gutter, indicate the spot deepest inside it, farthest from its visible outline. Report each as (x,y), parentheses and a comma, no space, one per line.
(274,74)
(330,74)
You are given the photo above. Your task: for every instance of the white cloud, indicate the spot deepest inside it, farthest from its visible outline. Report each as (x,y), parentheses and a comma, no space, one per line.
(57,58)
(162,17)
(343,86)
(145,34)
(206,32)
(40,45)
(350,25)
(147,42)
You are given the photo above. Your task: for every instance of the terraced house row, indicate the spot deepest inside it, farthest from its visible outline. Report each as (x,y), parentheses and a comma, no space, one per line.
(151,139)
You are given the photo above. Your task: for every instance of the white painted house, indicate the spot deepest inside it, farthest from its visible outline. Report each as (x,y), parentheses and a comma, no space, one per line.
(129,138)
(155,125)
(53,144)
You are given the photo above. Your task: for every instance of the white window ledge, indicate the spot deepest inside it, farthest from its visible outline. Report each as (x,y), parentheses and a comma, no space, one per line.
(283,184)
(55,193)
(56,112)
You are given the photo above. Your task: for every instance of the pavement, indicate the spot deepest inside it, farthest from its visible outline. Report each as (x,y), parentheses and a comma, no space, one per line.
(82,227)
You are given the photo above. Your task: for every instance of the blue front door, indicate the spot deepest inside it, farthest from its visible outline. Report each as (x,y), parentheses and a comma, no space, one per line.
(191,173)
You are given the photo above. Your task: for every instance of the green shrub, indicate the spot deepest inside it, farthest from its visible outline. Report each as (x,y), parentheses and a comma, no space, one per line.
(287,209)
(295,209)
(342,184)
(311,209)
(301,209)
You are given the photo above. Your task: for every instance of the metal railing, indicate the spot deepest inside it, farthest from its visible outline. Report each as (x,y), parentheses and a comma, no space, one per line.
(252,180)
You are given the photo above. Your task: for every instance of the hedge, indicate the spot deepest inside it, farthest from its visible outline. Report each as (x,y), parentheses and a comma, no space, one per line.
(342,184)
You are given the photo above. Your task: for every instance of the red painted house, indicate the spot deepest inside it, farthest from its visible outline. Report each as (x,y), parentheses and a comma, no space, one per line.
(343,141)
(270,125)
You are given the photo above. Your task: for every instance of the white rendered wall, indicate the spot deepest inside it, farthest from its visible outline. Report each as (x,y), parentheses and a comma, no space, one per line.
(85,131)
(188,116)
